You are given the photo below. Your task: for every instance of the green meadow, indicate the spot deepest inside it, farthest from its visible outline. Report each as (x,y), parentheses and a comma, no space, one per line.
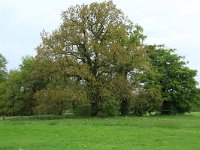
(180,132)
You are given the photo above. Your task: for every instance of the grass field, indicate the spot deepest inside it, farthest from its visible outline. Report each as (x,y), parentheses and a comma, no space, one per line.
(123,133)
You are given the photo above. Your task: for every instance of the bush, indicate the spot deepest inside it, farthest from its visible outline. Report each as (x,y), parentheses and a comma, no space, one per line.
(147,101)
(110,107)
(82,110)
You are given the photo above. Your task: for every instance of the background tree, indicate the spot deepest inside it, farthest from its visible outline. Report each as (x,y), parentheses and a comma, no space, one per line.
(18,89)
(3,76)
(178,85)
(3,70)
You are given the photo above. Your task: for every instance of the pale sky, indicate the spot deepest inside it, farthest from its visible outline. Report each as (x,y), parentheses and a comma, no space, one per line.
(174,23)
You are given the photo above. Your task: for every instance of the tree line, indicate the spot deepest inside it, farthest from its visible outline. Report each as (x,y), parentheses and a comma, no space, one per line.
(96,64)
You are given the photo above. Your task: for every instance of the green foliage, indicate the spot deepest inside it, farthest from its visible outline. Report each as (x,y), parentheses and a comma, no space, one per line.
(3,77)
(51,100)
(18,89)
(3,102)
(110,103)
(147,98)
(178,85)
(147,101)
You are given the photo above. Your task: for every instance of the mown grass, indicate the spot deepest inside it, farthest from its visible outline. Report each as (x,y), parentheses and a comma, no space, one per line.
(127,133)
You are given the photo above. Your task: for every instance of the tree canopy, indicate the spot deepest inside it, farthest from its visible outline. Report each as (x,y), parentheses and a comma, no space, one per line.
(177,80)
(96,47)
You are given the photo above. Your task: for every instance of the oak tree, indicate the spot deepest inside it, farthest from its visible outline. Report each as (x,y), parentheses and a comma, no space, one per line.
(98,49)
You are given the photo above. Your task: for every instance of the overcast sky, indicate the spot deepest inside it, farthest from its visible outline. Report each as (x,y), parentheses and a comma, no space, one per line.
(174,23)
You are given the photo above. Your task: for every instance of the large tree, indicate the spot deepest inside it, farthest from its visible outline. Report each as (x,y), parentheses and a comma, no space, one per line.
(97,54)
(178,85)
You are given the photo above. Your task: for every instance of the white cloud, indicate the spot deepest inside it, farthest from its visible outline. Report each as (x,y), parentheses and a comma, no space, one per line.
(191,8)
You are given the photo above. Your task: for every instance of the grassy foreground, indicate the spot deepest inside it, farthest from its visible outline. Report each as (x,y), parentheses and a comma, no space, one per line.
(128,133)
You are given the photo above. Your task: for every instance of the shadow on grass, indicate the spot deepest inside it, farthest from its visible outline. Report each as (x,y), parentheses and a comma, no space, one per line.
(37,117)
(72,116)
